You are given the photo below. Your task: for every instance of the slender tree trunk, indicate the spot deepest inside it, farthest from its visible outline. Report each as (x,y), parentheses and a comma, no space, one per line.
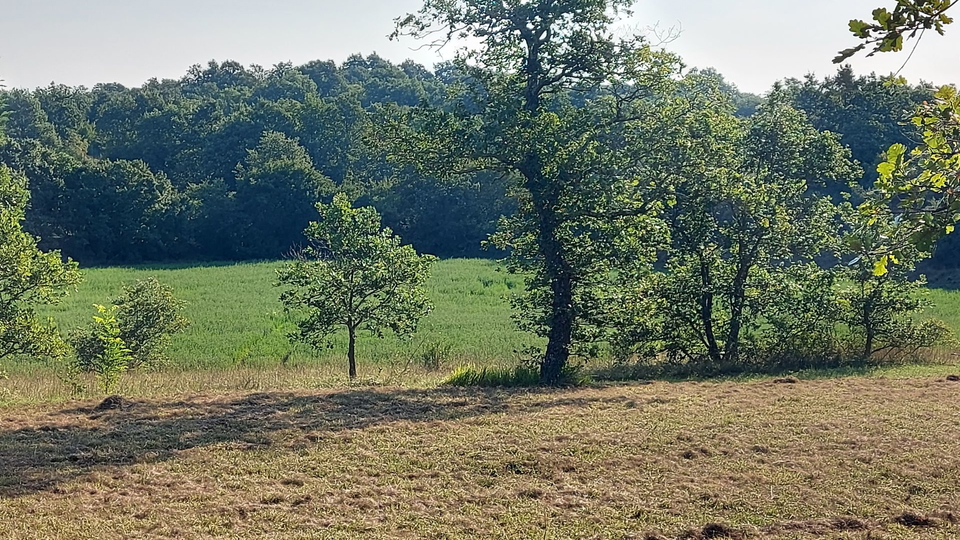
(739,300)
(706,312)
(869,333)
(352,352)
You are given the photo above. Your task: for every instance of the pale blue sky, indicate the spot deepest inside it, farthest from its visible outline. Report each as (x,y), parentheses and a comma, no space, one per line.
(83,42)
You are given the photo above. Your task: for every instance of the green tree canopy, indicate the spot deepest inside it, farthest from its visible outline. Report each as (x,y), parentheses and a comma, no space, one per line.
(277,188)
(28,277)
(515,115)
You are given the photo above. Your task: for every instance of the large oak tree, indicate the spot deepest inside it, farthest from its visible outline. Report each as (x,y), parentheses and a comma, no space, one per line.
(552,98)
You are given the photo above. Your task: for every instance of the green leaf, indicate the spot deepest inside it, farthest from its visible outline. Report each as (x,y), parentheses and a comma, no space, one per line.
(859,28)
(880,268)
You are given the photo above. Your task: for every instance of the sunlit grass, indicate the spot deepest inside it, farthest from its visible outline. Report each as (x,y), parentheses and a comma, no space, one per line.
(853,458)
(237,319)
(238,339)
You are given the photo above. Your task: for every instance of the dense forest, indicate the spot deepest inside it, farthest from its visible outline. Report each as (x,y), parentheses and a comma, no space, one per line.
(227,162)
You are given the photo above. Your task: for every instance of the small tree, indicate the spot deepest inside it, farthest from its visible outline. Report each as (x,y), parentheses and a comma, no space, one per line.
(101,350)
(149,314)
(28,277)
(882,298)
(355,274)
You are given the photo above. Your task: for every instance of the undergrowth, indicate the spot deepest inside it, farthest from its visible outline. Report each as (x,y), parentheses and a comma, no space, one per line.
(522,376)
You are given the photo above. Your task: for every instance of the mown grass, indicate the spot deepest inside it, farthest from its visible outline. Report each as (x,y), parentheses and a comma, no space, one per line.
(852,458)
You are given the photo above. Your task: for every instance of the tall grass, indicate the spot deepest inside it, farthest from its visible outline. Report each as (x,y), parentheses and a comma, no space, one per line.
(238,336)
(237,320)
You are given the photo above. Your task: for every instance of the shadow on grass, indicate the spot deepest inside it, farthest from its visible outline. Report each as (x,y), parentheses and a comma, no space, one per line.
(743,373)
(52,449)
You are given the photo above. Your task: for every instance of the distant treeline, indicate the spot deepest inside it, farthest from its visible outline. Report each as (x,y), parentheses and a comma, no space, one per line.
(227,162)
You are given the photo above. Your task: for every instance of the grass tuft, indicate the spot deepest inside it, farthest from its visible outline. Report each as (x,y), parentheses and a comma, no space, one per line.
(521,376)
(492,377)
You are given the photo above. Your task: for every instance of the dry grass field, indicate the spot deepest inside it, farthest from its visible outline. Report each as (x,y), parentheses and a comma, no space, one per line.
(863,457)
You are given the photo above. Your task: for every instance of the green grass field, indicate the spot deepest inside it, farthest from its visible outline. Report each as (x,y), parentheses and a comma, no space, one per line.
(946,307)
(237,320)
(238,338)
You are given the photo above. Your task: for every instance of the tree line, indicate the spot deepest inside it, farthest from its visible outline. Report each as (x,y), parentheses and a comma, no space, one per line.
(227,162)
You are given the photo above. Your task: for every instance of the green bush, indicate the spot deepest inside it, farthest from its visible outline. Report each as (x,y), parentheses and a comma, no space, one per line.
(149,314)
(101,350)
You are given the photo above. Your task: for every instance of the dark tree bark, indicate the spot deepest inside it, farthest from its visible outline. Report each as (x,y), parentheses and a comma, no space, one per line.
(352,352)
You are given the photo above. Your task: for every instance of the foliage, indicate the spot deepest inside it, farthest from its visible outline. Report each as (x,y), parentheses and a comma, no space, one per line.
(224,163)
(355,274)
(882,301)
(159,162)
(100,348)
(890,29)
(553,99)
(28,278)
(745,230)
(921,184)
(276,190)
(149,315)
(867,111)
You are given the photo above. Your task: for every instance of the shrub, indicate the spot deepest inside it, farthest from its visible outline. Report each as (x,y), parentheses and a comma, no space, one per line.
(29,277)
(149,315)
(101,350)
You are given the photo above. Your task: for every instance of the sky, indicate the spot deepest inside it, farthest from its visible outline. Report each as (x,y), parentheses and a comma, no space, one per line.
(752,42)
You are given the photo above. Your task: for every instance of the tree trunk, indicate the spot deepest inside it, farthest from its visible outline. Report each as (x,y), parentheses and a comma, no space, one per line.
(559,274)
(546,200)
(738,301)
(869,330)
(561,330)
(706,312)
(352,352)
(869,335)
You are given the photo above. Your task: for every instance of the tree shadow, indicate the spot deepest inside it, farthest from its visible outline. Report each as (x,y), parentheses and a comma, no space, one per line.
(47,451)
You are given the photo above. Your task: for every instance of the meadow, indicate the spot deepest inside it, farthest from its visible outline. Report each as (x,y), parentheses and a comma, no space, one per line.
(238,337)
(237,319)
